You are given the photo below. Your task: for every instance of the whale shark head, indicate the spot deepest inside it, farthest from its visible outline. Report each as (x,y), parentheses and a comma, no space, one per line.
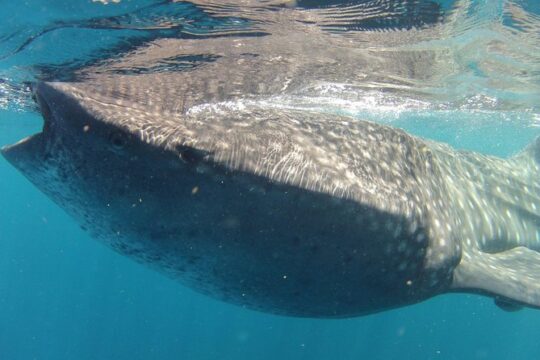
(95,170)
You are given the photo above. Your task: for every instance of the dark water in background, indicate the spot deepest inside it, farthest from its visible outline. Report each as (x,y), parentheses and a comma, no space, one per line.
(65,296)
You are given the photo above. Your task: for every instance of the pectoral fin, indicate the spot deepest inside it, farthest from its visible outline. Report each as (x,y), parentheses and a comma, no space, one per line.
(512,275)
(507,305)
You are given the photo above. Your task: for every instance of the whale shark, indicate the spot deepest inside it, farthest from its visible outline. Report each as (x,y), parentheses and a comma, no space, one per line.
(287,211)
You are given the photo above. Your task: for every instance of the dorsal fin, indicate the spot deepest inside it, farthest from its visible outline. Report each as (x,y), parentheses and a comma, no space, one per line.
(530,153)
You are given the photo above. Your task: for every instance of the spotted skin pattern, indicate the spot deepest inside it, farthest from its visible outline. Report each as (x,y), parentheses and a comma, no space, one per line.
(286,211)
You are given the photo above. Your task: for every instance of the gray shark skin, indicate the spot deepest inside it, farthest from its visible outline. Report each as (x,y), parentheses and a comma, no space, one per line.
(284,211)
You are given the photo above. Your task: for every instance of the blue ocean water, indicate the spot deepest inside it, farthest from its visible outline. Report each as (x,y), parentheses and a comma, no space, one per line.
(65,296)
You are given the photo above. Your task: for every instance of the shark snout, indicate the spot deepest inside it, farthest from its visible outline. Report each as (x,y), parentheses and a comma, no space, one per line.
(32,148)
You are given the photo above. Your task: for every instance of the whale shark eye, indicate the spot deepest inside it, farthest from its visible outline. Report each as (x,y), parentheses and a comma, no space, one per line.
(118,140)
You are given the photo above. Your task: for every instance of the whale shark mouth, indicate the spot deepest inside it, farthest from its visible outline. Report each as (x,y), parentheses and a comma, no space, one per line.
(44,108)
(35,144)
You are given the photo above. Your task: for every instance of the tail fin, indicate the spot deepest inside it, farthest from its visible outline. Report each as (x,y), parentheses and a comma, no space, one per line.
(501,253)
